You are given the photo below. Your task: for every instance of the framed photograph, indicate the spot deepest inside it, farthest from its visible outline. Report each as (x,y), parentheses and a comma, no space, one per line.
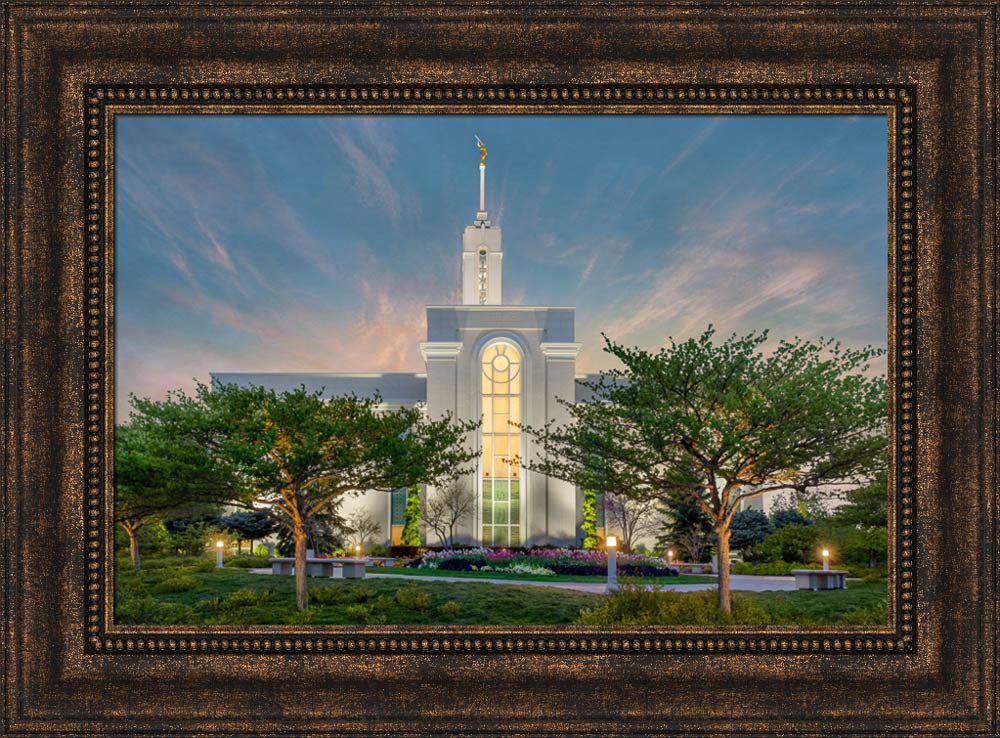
(367,363)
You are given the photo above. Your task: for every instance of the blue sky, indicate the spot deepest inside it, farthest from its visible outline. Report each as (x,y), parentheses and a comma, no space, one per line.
(312,243)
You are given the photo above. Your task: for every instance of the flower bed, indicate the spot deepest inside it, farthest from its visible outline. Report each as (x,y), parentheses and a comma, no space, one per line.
(545,561)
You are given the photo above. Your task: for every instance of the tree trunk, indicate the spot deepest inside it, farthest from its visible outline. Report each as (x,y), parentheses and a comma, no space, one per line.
(301,591)
(133,547)
(723,534)
(239,546)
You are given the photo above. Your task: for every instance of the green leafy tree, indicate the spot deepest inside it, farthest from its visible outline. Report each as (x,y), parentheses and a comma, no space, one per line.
(865,514)
(411,517)
(294,452)
(155,476)
(589,525)
(722,422)
(792,542)
(326,531)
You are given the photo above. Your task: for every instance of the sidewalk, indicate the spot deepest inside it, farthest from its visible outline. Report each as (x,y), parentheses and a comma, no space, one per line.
(742,582)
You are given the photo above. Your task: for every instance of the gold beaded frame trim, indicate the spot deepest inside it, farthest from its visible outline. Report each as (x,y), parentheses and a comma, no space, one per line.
(103,102)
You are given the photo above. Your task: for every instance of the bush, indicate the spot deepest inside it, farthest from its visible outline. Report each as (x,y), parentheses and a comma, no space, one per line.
(359,612)
(261,551)
(363,593)
(638,605)
(150,611)
(871,578)
(202,565)
(327,595)
(182,583)
(248,562)
(245,598)
(300,617)
(450,609)
(406,552)
(413,598)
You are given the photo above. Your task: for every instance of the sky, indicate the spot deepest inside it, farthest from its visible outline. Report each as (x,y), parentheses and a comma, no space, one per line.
(313,243)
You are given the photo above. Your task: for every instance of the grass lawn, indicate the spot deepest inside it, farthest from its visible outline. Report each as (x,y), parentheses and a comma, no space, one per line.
(404,571)
(177,590)
(239,596)
(862,603)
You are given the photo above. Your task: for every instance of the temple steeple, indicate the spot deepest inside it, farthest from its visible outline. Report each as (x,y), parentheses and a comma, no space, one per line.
(481,252)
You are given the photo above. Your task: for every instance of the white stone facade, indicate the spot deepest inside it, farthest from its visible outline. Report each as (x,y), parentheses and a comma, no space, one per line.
(539,340)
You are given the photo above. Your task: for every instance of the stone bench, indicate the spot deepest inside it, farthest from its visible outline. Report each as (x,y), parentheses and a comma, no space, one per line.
(332,568)
(817,579)
(689,568)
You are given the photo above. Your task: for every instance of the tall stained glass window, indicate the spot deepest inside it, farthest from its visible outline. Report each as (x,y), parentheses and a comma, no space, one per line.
(501,446)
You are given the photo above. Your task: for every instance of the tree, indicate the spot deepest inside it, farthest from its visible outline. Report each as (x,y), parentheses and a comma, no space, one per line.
(781,518)
(293,453)
(589,525)
(411,517)
(723,422)
(154,476)
(686,526)
(362,529)
(633,517)
(866,513)
(325,531)
(749,528)
(249,525)
(792,542)
(446,508)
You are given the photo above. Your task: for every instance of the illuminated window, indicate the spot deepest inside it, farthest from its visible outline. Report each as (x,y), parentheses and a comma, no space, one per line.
(501,403)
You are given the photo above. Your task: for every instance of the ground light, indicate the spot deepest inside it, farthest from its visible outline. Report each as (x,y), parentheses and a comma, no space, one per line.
(670,557)
(218,554)
(826,560)
(612,564)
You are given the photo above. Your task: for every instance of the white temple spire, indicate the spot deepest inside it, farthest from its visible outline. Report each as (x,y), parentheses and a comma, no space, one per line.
(481,254)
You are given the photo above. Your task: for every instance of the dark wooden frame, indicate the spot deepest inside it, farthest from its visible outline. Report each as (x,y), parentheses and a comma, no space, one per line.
(68,68)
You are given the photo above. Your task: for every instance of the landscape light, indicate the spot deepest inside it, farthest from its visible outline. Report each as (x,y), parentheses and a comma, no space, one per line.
(612,565)
(670,556)
(219,544)
(357,549)
(218,554)
(826,560)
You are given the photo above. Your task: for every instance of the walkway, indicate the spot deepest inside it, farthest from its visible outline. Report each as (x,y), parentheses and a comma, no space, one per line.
(742,582)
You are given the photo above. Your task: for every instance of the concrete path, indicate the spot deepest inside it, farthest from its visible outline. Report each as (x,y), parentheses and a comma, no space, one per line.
(744,582)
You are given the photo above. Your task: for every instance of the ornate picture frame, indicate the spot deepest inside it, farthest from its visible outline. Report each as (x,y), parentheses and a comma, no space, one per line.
(69,69)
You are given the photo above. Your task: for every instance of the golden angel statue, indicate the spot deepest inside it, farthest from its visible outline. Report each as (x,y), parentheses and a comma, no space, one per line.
(482,152)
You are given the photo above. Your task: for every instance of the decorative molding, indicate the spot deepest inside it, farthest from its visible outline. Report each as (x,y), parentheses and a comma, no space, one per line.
(560,351)
(103,102)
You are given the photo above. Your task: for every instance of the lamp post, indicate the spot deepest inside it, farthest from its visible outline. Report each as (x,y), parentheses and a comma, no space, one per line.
(218,554)
(826,560)
(612,564)
(357,550)
(670,556)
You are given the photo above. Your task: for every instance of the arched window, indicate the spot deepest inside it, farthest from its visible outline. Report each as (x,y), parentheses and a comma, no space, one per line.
(501,475)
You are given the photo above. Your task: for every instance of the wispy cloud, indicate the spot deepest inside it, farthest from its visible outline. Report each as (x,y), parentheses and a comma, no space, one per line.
(696,142)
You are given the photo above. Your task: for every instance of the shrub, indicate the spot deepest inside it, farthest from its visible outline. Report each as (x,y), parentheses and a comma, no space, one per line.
(245,598)
(202,565)
(413,598)
(871,578)
(637,605)
(359,612)
(450,609)
(248,562)
(261,551)
(182,583)
(300,617)
(363,593)
(378,619)
(150,611)
(191,540)
(327,595)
